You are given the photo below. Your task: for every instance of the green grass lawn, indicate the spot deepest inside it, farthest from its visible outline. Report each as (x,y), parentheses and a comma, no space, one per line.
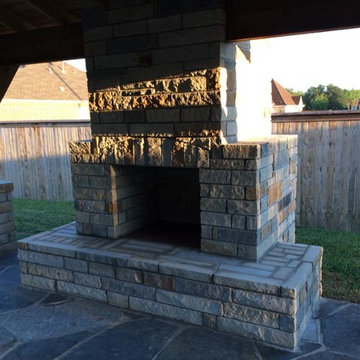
(341,262)
(34,216)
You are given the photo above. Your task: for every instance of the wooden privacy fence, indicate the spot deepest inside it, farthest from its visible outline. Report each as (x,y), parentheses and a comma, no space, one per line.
(35,157)
(328,186)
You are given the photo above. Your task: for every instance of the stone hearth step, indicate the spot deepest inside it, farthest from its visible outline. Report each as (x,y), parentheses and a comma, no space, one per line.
(269,300)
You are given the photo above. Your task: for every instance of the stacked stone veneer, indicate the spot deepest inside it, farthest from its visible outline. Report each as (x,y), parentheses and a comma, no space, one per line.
(270,300)
(7,227)
(246,192)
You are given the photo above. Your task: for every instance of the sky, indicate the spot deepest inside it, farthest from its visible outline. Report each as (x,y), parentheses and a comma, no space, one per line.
(302,61)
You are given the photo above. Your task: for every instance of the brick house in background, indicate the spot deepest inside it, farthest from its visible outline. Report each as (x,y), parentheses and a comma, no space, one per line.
(46,91)
(282,100)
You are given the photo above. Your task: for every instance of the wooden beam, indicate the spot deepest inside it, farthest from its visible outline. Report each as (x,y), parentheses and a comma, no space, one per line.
(53,10)
(7,73)
(48,44)
(13,21)
(264,18)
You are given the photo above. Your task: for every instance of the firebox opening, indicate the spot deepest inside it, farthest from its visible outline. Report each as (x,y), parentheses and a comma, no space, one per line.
(167,205)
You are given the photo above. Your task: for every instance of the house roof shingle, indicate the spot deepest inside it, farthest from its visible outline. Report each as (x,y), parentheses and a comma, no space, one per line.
(47,81)
(280,96)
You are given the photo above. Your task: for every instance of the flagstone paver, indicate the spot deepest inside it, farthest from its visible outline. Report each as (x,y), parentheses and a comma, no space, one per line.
(38,325)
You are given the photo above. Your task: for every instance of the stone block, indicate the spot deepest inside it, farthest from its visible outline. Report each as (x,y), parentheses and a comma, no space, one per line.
(264,301)
(38,282)
(249,282)
(118,300)
(188,271)
(243,207)
(158,281)
(251,315)
(262,333)
(50,272)
(227,191)
(168,311)
(209,291)
(83,291)
(130,28)
(48,248)
(127,288)
(208,204)
(217,247)
(192,36)
(76,265)
(204,18)
(87,280)
(102,270)
(189,302)
(215,219)
(238,222)
(166,23)
(129,275)
(241,151)
(130,14)
(43,259)
(214,176)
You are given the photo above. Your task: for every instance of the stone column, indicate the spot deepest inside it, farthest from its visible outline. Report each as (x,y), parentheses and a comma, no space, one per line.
(7,227)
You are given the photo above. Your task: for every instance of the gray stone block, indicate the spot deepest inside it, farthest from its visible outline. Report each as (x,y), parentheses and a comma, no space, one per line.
(189,302)
(102,270)
(118,300)
(50,272)
(292,286)
(83,291)
(214,176)
(269,335)
(127,288)
(251,315)
(215,219)
(103,257)
(168,311)
(129,275)
(38,282)
(76,265)
(187,271)
(248,282)
(51,248)
(264,301)
(158,280)
(204,290)
(43,259)
(143,264)
(87,280)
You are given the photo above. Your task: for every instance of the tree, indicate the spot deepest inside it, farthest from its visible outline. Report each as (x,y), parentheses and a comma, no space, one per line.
(352,97)
(295,92)
(311,94)
(319,102)
(336,97)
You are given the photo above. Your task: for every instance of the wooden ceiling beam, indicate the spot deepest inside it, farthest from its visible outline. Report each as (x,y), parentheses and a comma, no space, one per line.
(263,18)
(53,10)
(13,21)
(43,45)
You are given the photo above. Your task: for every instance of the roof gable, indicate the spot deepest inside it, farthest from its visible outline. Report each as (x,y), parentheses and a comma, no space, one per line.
(280,96)
(48,81)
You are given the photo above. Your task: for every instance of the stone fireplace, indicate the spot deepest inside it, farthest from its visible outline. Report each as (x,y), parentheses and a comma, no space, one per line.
(184,201)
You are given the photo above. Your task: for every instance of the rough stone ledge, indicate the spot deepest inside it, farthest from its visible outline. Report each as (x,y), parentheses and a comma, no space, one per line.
(242,296)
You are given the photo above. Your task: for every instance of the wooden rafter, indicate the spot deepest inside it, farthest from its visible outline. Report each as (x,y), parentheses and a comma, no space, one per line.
(263,18)
(53,10)
(101,3)
(13,21)
(43,45)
